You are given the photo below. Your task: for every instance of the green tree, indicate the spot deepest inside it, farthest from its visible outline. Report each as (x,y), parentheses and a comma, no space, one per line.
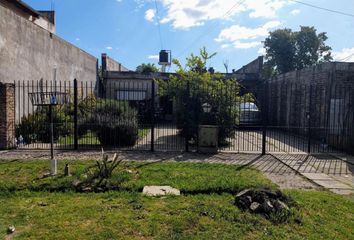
(287,50)
(147,68)
(193,86)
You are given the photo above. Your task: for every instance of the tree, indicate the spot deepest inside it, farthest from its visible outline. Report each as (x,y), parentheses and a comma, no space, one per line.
(287,50)
(147,68)
(192,87)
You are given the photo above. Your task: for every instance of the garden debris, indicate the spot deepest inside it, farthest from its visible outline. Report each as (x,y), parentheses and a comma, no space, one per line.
(42,204)
(67,170)
(264,201)
(160,191)
(99,177)
(11,229)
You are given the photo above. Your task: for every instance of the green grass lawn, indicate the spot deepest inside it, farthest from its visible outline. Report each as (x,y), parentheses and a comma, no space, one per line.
(90,138)
(49,209)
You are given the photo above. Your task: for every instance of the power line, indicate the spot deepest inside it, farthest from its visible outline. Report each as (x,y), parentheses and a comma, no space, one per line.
(158,24)
(346,58)
(322,8)
(208,31)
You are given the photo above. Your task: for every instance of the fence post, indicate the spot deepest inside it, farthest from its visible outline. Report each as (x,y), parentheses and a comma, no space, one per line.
(152,116)
(264,116)
(309,122)
(186,122)
(76,130)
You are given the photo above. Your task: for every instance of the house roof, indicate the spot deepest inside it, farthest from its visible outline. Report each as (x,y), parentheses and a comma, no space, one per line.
(24,7)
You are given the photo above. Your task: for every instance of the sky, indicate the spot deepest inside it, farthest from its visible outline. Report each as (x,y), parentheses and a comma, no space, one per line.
(134,31)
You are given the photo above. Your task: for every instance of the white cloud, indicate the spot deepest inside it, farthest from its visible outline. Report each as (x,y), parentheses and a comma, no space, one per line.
(345,55)
(184,14)
(150,15)
(243,37)
(109,48)
(154,57)
(262,51)
(295,12)
(246,45)
(77,39)
(119,1)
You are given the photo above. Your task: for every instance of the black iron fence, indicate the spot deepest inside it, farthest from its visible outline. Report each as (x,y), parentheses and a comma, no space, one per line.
(130,115)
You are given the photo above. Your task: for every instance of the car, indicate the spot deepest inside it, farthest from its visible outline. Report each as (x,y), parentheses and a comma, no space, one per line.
(249,114)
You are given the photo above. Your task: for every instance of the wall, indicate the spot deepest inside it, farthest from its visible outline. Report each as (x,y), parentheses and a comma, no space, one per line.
(109,64)
(29,52)
(255,66)
(7,115)
(44,19)
(321,97)
(131,81)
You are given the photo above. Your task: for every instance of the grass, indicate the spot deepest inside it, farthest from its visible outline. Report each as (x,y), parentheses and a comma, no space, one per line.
(191,178)
(90,138)
(205,210)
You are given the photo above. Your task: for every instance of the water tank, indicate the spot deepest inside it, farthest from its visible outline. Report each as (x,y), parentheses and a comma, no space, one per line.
(164,58)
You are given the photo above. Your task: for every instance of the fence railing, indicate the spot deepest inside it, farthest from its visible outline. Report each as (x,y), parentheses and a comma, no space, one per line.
(132,115)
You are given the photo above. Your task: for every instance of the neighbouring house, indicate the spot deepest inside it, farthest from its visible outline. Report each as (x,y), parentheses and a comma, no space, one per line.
(121,84)
(30,51)
(316,101)
(250,77)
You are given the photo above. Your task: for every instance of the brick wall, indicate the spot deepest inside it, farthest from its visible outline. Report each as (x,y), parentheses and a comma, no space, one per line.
(7,115)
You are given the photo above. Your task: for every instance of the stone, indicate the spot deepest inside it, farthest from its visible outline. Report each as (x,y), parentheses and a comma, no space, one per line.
(243,192)
(281,205)
(267,207)
(11,229)
(255,206)
(76,183)
(160,191)
(87,189)
(46,175)
(262,201)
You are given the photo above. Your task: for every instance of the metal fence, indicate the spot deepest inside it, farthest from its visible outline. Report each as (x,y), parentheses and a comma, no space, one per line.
(286,118)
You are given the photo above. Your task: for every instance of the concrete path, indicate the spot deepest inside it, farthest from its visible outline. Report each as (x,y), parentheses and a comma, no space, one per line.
(328,171)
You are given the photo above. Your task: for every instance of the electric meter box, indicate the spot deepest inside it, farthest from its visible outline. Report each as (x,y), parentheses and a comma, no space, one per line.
(208,138)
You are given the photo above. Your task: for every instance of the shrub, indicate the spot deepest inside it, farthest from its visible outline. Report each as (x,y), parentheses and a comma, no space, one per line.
(114,122)
(35,127)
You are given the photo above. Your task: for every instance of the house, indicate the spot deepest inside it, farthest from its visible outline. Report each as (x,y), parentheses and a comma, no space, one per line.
(122,84)
(30,49)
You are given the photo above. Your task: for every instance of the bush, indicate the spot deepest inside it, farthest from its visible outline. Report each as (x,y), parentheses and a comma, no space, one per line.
(36,127)
(114,122)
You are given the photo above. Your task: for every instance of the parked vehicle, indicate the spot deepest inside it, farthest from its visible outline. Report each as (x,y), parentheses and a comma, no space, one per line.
(249,114)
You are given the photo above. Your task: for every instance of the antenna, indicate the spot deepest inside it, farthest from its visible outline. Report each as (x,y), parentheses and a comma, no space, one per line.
(52,5)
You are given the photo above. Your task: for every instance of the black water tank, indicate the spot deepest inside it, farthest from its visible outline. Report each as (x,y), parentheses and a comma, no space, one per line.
(164,56)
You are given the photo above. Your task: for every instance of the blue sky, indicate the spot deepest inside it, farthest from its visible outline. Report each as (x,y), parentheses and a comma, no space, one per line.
(127,30)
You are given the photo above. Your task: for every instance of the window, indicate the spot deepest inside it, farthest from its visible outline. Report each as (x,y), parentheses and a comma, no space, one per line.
(131,95)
